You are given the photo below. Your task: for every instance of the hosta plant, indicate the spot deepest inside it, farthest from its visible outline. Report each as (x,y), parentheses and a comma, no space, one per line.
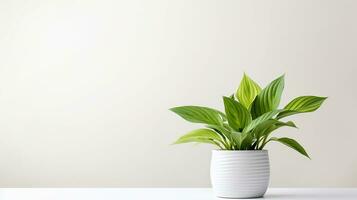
(251,115)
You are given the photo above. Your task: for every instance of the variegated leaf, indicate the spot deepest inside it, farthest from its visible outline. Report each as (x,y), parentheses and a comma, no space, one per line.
(201,135)
(198,114)
(302,104)
(292,144)
(269,98)
(247,91)
(237,115)
(262,118)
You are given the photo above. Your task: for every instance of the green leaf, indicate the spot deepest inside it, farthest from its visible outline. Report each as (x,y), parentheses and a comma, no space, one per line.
(268,126)
(237,115)
(224,133)
(302,104)
(198,114)
(241,141)
(292,144)
(247,91)
(237,139)
(246,141)
(232,96)
(260,119)
(200,135)
(269,98)
(280,124)
(262,131)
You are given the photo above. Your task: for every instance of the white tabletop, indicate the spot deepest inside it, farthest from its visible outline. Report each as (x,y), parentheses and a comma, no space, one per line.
(165,193)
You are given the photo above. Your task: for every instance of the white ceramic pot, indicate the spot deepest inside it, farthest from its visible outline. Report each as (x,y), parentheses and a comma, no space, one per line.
(240,174)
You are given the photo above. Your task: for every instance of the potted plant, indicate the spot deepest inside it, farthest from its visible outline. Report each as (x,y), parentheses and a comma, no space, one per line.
(240,165)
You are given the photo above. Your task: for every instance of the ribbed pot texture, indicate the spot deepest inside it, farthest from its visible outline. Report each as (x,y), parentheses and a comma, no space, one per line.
(240,174)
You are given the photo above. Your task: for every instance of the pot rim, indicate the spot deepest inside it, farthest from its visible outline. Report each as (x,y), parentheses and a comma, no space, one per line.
(223,150)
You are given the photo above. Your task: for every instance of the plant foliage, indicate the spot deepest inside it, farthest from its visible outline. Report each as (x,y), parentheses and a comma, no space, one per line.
(250,117)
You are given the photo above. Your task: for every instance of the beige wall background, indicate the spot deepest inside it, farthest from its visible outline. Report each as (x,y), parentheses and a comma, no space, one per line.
(85,87)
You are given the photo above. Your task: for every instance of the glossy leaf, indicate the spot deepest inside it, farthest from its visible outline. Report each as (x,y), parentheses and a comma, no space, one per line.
(279,124)
(237,115)
(237,139)
(198,114)
(292,144)
(269,98)
(200,135)
(262,118)
(264,132)
(251,115)
(302,104)
(247,91)
(246,141)
(224,133)
(232,96)
(270,125)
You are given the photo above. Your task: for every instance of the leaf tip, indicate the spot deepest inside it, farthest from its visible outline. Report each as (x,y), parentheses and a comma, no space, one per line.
(281,78)
(294,125)
(172,109)
(176,142)
(226,98)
